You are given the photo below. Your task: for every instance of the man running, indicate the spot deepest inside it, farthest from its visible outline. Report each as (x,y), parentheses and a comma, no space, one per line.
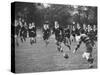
(46,33)
(32,33)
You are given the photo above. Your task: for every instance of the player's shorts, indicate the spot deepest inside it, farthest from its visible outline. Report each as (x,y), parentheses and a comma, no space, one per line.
(32,34)
(32,38)
(77,38)
(86,55)
(71,37)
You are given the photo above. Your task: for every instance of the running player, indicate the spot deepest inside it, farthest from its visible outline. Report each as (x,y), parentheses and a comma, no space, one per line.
(17,30)
(46,33)
(88,53)
(58,31)
(23,32)
(67,40)
(73,33)
(32,33)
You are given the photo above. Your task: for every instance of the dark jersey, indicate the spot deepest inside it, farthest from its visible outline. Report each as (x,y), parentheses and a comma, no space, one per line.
(17,29)
(82,31)
(23,32)
(77,31)
(95,35)
(91,34)
(32,32)
(46,33)
(67,33)
(58,32)
(95,32)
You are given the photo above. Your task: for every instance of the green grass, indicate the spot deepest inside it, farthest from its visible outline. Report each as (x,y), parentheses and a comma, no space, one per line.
(39,58)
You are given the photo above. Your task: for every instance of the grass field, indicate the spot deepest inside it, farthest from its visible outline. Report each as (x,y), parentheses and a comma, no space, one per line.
(39,58)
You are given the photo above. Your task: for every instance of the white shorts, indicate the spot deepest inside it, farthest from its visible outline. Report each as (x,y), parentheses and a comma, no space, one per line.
(78,38)
(86,55)
(71,37)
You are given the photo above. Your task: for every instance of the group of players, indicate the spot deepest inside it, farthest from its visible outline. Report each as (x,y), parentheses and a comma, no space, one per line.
(86,34)
(22,30)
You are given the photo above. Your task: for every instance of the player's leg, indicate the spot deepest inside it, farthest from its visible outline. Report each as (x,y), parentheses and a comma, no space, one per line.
(21,37)
(90,60)
(59,47)
(66,43)
(88,55)
(78,45)
(24,36)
